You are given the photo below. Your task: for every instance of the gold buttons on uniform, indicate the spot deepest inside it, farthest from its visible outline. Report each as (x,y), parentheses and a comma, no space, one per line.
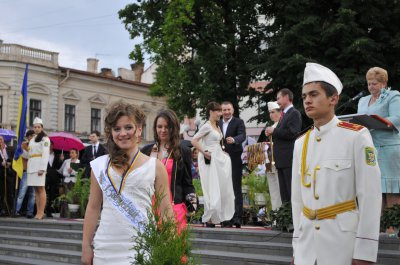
(316,196)
(318,139)
(317,227)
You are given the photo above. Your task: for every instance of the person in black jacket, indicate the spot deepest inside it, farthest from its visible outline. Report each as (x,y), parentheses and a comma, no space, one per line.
(234,132)
(284,136)
(7,179)
(177,159)
(94,150)
(53,178)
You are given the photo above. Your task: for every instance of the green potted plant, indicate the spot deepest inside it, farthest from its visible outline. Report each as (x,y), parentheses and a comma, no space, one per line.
(60,206)
(390,219)
(79,194)
(258,191)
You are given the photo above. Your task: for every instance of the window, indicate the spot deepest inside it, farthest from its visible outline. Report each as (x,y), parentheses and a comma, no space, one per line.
(95,120)
(69,122)
(35,110)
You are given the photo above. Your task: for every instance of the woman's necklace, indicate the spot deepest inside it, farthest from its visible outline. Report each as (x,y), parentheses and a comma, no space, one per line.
(124,174)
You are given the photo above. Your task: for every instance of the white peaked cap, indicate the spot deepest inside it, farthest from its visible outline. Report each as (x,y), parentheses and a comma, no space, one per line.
(37,120)
(315,72)
(273,105)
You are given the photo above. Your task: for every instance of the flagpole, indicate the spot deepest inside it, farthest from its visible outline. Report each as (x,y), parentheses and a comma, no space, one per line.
(17,163)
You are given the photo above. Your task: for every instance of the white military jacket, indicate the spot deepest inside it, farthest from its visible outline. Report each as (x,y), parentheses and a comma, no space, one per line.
(38,155)
(341,165)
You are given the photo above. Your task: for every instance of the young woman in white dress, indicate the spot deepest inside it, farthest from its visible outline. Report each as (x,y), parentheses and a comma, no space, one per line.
(215,176)
(122,185)
(39,152)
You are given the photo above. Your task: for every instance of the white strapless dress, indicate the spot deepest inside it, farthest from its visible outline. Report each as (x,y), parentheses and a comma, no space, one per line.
(115,236)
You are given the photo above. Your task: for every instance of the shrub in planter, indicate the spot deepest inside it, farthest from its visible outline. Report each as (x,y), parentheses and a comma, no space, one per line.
(390,217)
(281,217)
(79,194)
(257,184)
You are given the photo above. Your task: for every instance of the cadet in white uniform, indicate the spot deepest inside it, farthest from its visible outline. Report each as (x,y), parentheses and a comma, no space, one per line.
(336,194)
(39,153)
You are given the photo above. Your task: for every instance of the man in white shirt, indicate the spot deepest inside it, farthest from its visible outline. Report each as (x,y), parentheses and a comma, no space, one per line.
(234,133)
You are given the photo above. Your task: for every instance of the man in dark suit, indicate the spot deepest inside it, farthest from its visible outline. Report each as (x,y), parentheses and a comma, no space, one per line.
(7,179)
(284,136)
(234,133)
(94,150)
(53,178)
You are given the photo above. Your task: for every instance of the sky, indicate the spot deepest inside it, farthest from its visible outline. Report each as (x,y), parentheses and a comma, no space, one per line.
(76,29)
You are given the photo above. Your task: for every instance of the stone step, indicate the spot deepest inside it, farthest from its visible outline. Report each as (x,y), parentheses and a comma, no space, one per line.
(387,257)
(213,257)
(10,260)
(242,234)
(41,232)
(268,248)
(51,255)
(54,223)
(42,242)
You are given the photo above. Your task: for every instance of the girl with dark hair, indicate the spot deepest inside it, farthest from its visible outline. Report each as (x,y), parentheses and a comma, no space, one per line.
(39,152)
(176,159)
(215,170)
(122,185)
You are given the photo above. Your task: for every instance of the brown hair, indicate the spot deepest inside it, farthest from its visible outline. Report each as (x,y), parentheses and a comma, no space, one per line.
(286,92)
(117,110)
(212,106)
(173,131)
(377,73)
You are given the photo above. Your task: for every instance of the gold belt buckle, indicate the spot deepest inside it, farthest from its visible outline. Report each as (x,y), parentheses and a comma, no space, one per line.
(313,214)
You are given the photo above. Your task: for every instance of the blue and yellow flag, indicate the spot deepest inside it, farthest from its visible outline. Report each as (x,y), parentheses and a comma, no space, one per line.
(17,164)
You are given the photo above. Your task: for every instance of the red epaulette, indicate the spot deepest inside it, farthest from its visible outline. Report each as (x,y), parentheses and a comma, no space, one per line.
(350,126)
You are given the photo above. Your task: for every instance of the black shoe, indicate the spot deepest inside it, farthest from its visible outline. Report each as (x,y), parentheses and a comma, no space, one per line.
(17,214)
(29,216)
(210,225)
(236,222)
(226,224)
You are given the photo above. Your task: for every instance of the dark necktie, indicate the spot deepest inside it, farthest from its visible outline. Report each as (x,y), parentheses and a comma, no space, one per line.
(94,150)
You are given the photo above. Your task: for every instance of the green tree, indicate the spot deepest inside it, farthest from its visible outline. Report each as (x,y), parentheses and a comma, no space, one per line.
(205,49)
(348,36)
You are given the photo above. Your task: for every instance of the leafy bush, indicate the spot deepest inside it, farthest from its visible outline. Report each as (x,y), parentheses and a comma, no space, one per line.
(282,217)
(197,187)
(79,194)
(160,242)
(391,217)
(257,184)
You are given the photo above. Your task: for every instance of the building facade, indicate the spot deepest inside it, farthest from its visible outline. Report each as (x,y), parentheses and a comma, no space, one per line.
(68,99)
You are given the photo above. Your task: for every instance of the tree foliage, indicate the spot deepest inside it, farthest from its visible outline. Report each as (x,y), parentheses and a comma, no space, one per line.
(205,49)
(211,50)
(348,36)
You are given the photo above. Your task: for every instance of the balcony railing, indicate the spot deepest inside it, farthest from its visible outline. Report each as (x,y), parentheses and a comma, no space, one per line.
(15,52)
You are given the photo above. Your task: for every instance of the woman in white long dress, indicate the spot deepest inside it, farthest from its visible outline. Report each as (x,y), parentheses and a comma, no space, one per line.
(39,152)
(123,182)
(216,177)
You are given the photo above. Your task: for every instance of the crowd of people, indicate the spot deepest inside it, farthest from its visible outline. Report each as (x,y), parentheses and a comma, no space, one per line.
(46,173)
(337,175)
